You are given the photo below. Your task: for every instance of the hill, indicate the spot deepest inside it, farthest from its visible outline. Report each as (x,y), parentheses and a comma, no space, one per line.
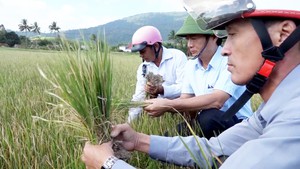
(120,31)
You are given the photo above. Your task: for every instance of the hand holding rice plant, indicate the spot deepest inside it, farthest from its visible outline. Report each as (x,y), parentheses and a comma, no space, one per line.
(153,85)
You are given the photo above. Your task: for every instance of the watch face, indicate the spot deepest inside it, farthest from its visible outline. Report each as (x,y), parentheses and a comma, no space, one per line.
(108,164)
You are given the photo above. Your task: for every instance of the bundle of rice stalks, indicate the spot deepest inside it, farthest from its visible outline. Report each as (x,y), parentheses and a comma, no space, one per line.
(82,84)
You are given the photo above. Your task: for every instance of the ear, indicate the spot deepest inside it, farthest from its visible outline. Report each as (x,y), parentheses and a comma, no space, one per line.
(286,28)
(156,45)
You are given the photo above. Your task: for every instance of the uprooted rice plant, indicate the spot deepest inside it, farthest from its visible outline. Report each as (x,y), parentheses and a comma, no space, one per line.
(82,84)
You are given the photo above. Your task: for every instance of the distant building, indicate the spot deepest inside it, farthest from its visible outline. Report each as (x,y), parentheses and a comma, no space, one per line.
(124,48)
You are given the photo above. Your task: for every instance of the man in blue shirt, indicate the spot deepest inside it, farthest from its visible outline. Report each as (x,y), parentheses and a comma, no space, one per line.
(263,51)
(207,87)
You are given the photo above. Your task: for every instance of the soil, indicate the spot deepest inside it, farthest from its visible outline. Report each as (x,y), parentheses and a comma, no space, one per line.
(120,152)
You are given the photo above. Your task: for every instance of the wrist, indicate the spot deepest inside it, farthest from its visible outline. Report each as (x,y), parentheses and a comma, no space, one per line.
(142,143)
(161,90)
(108,164)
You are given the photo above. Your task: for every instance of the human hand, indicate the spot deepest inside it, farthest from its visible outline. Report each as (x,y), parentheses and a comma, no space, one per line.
(157,107)
(94,156)
(153,90)
(125,134)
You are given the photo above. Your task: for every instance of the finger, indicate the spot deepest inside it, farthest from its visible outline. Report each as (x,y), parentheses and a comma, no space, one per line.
(152,115)
(150,101)
(149,83)
(109,143)
(147,109)
(146,88)
(118,129)
(87,144)
(82,158)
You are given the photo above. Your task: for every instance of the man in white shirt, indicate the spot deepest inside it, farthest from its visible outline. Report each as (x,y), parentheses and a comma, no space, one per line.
(168,63)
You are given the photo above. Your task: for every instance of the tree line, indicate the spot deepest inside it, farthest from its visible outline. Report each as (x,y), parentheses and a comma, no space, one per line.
(176,42)
(11,38)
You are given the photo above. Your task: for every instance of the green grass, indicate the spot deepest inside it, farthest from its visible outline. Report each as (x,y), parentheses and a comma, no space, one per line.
(27,141)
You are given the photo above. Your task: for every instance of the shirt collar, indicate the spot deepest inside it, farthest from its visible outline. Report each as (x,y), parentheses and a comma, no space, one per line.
(214,62)
(165,54)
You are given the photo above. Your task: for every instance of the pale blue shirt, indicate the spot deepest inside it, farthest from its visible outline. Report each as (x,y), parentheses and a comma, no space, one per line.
(199,81)
(171,68)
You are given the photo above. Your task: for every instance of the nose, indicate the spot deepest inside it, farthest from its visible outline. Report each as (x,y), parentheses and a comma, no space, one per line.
(189,43)
(141,55)
(225,50)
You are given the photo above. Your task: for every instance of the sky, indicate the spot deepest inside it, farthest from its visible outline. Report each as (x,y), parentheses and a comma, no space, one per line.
(75,14)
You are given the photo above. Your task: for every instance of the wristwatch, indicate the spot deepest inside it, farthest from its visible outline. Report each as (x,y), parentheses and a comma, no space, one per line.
(108,164)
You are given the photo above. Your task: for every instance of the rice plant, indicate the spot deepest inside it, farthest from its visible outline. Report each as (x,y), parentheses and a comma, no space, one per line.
(83,84)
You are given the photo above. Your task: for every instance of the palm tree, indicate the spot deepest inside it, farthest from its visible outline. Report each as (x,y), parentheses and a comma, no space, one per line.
(35,28)
(23,26)
(93,38)
(2,28)
(53,27)
(2,34)
(173,38)
(177,41)
(172,35)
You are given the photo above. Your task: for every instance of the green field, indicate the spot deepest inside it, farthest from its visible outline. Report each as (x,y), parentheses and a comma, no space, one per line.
(27,142)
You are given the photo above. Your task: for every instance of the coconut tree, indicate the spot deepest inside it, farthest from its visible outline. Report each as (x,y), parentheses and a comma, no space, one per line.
(172,35)
(23,26)
(173,38)
(35,28)
(53,27)
(93,38)
(2,34)
(177,41)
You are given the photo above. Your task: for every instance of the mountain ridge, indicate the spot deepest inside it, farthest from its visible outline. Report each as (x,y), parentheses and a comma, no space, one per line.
(120,31)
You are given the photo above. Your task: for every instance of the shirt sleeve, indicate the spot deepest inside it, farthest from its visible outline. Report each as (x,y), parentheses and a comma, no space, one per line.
(175,150)
(274,145)
(139,94)
(173,91)
(186,84)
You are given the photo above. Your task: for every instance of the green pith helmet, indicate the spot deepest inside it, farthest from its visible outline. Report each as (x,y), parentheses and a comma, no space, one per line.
(191,27)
